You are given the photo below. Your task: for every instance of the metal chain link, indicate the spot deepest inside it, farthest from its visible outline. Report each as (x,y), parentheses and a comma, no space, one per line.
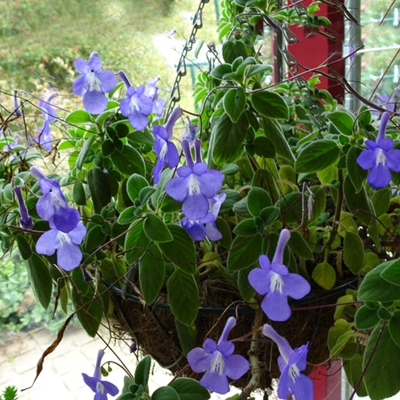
(181,70)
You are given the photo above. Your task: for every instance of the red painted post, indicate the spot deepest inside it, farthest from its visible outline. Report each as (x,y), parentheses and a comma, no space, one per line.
(314,49)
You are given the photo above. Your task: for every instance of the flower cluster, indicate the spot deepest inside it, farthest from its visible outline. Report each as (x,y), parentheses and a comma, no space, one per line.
(276,282)
(380,158)
(100,387)
(218,361)
(196,187)
(290,363)
(66,231)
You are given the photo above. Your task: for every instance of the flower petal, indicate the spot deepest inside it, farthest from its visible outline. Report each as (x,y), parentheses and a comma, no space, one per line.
(81,66)
(78,233)
(177,189)
(138,120)
(260,280)
(94,62)
(303,388)
(108,80)
(210,182)
(296,286)
(80,85)
(199,359)
(69,255)
(366,159)
(48,243)
(393,159)
(215,382)
(111,389)
(283,345)
(195,206)
(90,381)
(66,219)
(236,366)
(379,176)
(276,306)
(95,101)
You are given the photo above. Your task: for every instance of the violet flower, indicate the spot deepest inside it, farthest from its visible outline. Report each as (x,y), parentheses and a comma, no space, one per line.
(93,84)
(195,184)
(218,361)
(165,150)
(275,280)
(44,137)
(380,158)
(198,230)
(190,132)
(53,203)
(99,387)
(25,220)
(152,91)
(17,106)
(69,254)
(290,363)
(136,106)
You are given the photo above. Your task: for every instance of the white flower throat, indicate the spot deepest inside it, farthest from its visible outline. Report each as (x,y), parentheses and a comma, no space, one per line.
(294,372)
(193,185)
(93,81)
(380,157)
(217,363)
(276,283)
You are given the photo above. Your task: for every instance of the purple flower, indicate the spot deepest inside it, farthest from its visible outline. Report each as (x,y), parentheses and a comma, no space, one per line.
(53,203)
(380,158)
(165,150)
(69,254)
(152,92)
(101,388)
(190,132)
(25,220)
(17,106)
(198,230)
(218,361)
(136,106)
(44,137)
(93,84)
(290,363)
(195,184)
(274,280)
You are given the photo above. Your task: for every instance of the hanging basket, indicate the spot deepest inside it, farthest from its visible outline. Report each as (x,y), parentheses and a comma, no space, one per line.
(153,328)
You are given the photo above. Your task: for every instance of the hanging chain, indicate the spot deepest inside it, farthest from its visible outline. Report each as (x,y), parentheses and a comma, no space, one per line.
(181,71)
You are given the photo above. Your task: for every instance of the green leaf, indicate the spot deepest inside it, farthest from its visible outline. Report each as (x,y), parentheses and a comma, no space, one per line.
(234,103)
(342,121)
(357,175)
(23,247)
(339,328)
(190,389)
(246,290)
(325,275)
(353,253)
(257,199)
(220,70)
(381,376)
(300,247)
(394,327)
(136,242)
(232,50)
(40,279)
(381,201)
(273,131)
(375,288)
(353,369)
(252,70)
(391,273)
(134,185)
(145,194)
(128,161)
(183,296)
(156,230)
(78,193)
(269,215)
(187,336)
(270,105)
(339,349)
(317,156)
(227,139)
(247,227)
(264,147)
(94,238)
(151,274)
(84,151)
(180,250)
(142,371)
(165,393)
(357,202)
(127,216)
(88,305)
(78,117)
(244,252)
(291,207)
(99,187)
